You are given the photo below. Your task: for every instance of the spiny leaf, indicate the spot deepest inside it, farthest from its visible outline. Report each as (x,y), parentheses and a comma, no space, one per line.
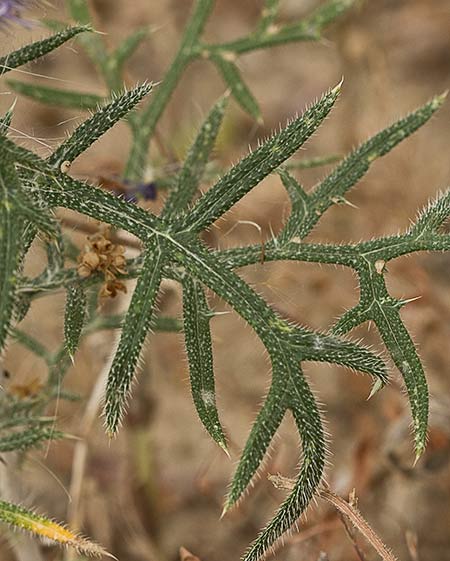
(172,248)
(135,329)
(39,216)
(299,207)
(403,352)
(307,420)
(40,526)
(98,203)
(311,346)
(20,155)
(39,48)
(312,253)
(74,317)
(59,189)
(378,306)
(275,334)
(23,440)
(92,129)
(433,216)
(273,331)
(332,189)
(53,96)
(196,314)
(241,93)
(264,428)
(194,166)
(354,166)
(11,249)
(384,311)
(256,166)
(351,318)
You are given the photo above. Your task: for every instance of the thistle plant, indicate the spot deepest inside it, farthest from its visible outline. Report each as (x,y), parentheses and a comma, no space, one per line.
(171,247)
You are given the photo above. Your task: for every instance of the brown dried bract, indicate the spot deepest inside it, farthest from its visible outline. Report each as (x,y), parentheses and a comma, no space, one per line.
(100,254)
(110,288)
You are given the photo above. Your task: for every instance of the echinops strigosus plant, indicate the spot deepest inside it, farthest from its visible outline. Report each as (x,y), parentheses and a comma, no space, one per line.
(33,188)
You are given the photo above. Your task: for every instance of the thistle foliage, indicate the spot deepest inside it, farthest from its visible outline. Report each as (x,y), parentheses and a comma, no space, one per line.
(33,188)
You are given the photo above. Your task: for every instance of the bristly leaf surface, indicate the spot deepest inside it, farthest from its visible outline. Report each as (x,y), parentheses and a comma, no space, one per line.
(31,188)
(172,248)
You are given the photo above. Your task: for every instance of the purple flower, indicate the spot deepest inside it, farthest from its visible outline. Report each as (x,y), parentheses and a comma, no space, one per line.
(11,12)
(147,191)
(139,191)
(131,191)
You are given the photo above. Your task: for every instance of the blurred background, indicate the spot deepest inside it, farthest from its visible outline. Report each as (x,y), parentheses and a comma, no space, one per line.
(160,484)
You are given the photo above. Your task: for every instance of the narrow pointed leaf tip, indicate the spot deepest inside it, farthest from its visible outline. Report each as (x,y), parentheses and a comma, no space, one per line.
(303,407)
(248,173)
(439,100)
(200,355)
(53,96)
(11,247)
(74,317)
(38,49)
(193,169)
(377,386)
(134,331)
(263,431)
(239,89)
(101,121)
(48,530)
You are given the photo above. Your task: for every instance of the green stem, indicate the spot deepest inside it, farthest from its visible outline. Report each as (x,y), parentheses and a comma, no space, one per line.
(257,42)
(145,124)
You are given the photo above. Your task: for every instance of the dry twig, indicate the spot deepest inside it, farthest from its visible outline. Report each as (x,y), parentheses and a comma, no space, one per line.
(347,510)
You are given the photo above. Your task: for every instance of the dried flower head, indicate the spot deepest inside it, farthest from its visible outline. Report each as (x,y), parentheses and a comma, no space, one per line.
(100,254)
(110,288)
